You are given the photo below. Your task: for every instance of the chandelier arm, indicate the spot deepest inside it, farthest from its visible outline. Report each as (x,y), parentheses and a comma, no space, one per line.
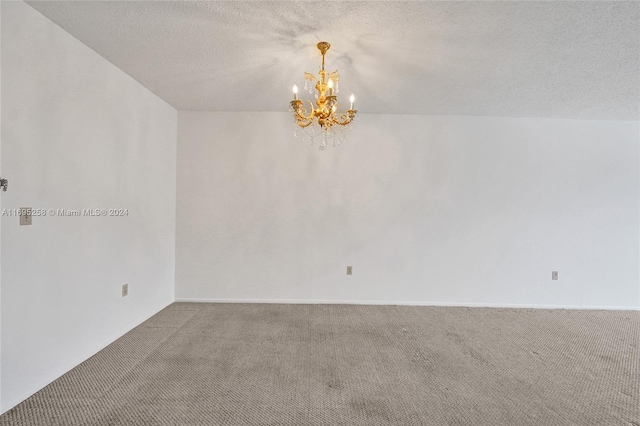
(306,120)
(346,119)
(303,124)
(300,115)
(303,121)
(300,112)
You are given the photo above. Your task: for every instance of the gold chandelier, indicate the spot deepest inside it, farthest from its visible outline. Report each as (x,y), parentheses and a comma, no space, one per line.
(326,87)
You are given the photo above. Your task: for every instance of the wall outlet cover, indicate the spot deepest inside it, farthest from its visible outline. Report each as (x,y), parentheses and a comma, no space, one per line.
(25,216)
(349,270)
(125,290)
(554,275)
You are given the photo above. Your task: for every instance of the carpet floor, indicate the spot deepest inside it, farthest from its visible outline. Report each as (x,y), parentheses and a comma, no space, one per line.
(258,364)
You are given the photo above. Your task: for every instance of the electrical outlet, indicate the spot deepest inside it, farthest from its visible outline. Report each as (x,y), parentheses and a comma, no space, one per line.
(125,290)
(554,275)
(25,216)
(349,270)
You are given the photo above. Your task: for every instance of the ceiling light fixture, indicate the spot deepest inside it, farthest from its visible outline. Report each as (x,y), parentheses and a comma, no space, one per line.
(326,87)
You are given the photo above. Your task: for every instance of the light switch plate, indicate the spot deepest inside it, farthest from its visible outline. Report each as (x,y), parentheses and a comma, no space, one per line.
(25,216)
(349,270)
(125,290)
(554,275)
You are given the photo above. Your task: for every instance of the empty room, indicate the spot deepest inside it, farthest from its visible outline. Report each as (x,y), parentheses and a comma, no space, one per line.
(319,213)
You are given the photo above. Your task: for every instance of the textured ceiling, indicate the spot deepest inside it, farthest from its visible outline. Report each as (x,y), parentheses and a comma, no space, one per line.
(531,59)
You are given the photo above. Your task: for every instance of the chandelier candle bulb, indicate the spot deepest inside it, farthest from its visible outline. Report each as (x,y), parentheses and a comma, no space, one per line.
(330,86)
(295,92)
(352,99)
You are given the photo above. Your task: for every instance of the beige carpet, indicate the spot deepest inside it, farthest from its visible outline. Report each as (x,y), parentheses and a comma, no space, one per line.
(241,364)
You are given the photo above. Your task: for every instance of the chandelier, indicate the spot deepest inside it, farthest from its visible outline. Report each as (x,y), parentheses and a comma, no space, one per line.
(326,87)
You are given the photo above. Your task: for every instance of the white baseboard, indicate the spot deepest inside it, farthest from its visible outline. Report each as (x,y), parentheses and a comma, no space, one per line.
(7,405)
(407,303)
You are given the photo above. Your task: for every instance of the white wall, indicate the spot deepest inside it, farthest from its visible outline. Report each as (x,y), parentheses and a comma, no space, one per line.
(0,207)
(433,210)
(78,133)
